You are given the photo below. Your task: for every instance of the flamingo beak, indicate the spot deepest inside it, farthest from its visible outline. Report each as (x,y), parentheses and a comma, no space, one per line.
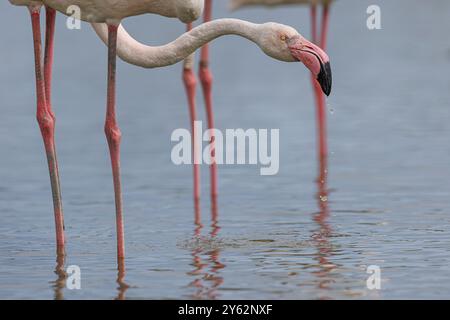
(315,59)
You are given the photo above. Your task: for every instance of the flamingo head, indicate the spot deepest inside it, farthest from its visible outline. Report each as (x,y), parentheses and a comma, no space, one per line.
(286,44)
(315,59)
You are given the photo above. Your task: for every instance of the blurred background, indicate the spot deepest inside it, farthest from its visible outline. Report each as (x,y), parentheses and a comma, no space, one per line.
(386,203)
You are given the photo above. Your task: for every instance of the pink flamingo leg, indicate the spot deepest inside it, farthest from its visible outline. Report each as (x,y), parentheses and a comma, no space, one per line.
(320,98)
(113,136)
(314,23)
(48,56)
(324,153)
(46,118)
(190,84)
(325,23)
(206,80)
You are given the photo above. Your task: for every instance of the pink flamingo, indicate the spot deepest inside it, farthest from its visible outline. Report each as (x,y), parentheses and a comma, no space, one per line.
(277,41)
(111,12)
(321,40)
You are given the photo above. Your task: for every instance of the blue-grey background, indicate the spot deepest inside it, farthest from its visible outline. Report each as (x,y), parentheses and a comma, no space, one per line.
(389,164)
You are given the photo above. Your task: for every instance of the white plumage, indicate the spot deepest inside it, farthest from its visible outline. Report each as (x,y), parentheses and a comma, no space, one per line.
(116,10)
(236,4)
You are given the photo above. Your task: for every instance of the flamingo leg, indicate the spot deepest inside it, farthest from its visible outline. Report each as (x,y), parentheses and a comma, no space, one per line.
(314,23)
(48,55)
(113,136)
(319,96)
(190,84)
(323,44)
(325,23)
(206,80)
(45,116)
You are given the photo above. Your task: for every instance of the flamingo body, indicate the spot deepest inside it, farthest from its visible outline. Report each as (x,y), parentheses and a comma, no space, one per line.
(236,4)
(116,10)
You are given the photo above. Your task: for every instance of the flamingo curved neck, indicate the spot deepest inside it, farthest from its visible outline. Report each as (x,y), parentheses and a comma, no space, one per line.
(134,52)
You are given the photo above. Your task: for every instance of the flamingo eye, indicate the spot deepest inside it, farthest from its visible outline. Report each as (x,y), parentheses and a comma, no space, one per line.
(283,37)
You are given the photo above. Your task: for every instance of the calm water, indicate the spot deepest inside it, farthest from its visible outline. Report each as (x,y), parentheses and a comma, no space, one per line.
(388,187)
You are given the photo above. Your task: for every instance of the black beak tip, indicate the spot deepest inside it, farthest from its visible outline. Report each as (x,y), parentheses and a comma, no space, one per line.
(325,78)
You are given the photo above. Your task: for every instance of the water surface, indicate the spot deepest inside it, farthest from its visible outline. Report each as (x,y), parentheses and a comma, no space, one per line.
(385,203)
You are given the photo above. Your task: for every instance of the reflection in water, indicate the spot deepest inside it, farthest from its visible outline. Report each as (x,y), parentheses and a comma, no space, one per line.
(206,271)
(123,286)
(60,283)
(322,234)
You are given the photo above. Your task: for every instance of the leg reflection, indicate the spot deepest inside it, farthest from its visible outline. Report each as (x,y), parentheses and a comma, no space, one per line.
(322,234)
(206,264)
